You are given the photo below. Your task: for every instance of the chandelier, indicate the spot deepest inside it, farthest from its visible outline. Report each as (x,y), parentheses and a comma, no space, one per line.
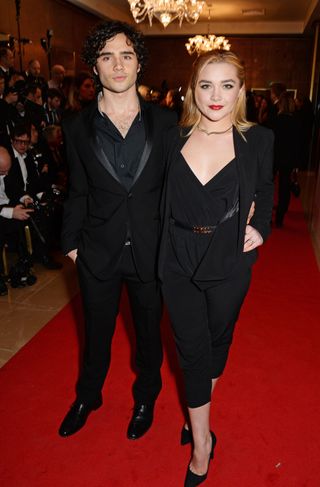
(166,10)
(200,44)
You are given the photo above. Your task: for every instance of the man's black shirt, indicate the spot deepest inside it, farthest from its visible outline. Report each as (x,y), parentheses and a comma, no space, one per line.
(123,153)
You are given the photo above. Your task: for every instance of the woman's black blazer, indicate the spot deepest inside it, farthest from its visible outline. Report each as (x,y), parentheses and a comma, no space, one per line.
(254,159)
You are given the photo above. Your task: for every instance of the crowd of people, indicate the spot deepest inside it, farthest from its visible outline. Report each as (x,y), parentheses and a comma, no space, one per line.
(291,119)
(33,175)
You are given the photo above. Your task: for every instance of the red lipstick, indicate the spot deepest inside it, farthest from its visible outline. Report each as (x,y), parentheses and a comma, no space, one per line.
(215,107)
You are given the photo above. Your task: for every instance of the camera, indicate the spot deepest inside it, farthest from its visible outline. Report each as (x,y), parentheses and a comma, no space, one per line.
(34,206)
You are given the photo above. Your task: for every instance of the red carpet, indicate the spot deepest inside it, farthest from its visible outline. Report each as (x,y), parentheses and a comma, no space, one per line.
(266,408)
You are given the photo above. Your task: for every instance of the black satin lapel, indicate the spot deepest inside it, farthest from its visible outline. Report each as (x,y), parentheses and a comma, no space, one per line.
(148,127)
(240,149)
(102,156)
(95,144)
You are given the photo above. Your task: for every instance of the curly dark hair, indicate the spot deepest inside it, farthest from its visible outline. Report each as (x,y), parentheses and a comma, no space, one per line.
(105,31)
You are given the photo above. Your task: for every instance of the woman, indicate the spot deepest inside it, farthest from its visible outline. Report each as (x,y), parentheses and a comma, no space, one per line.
(81,93)
(218,163)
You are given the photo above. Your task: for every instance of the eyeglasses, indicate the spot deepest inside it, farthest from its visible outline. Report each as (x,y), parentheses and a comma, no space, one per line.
(22,142)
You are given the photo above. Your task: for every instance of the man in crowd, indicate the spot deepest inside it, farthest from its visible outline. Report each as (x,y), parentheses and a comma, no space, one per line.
(12,217)
(33,74)
(57,76)
(276,89)
(111,219)
(52,107)
(6,63)
(23,185)
(34,111)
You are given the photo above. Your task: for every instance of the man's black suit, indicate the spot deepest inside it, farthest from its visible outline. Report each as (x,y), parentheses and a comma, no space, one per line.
(100,217)
(41,221)
(14,183)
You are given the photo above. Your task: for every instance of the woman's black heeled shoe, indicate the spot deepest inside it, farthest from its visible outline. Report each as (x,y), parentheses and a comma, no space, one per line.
(186,436)
(192,479)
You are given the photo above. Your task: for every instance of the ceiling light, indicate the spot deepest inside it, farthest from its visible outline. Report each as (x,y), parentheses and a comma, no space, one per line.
(200,44)
(166,10)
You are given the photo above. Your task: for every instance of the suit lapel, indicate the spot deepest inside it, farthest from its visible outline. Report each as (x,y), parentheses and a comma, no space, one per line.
(96,145)
(102,156)
(148,127)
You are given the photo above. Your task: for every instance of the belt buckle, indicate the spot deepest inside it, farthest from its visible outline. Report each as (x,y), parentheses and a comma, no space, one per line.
(201,230)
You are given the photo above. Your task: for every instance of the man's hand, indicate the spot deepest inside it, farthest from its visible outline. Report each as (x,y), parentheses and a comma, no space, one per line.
(21,213)
(252,239)
(73,255)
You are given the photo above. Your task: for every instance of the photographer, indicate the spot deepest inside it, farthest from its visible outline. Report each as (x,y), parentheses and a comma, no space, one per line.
(23,185)
(12,221)
(50,190)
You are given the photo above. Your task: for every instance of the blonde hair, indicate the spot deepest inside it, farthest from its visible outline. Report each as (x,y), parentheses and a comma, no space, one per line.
(191,115)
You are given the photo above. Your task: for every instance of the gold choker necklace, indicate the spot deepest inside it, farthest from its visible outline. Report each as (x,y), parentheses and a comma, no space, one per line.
(214,133)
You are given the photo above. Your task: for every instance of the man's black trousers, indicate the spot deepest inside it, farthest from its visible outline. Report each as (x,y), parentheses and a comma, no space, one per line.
(101,306)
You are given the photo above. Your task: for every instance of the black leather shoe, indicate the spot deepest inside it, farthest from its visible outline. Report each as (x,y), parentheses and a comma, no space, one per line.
(192,479)
(141,421)
(77,417)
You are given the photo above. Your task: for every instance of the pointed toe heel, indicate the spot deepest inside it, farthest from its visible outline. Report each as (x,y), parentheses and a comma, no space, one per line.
(192,479)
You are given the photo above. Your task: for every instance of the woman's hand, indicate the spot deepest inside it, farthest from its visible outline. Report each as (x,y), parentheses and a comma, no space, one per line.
(251,212)
(252,239)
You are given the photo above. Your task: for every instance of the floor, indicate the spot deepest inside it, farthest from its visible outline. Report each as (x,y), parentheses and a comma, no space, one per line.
(24,311)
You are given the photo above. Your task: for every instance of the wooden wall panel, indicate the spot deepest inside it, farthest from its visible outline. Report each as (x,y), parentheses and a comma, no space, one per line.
(267,59)
(69,24)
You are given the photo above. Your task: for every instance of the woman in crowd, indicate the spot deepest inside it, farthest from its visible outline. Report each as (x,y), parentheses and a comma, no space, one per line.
(218,163)
(80,94)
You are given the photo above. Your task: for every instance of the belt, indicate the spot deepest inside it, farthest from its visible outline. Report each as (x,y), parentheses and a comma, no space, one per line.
(207,229)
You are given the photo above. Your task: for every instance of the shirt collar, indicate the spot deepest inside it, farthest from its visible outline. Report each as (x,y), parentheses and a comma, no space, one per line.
(19,156)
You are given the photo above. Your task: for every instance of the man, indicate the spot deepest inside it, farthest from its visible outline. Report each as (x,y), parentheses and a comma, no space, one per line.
(12,216)
(24,185)
(6,63)
(33,76)
(276,89)
(57,76)
(111,220)
(52,106)
(34,111)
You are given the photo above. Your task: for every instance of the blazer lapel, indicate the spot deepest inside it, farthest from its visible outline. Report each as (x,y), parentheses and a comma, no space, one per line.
(148,126)
(241,151)
(96,145)
(102,156)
